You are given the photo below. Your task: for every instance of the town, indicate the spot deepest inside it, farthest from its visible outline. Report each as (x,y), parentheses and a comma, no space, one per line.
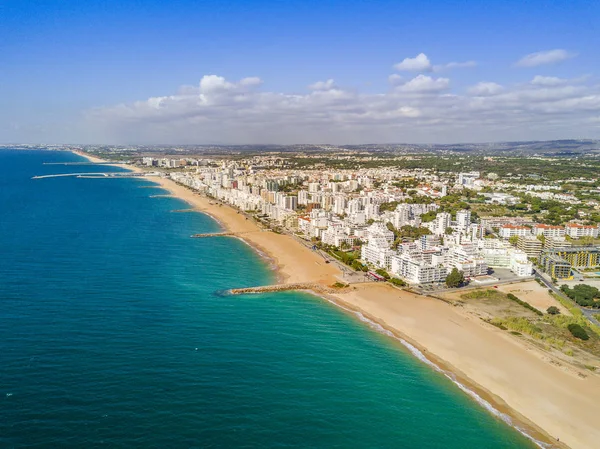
(422,227)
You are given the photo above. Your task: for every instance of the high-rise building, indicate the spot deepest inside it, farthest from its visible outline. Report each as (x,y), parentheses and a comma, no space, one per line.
(531,246)
(463,219)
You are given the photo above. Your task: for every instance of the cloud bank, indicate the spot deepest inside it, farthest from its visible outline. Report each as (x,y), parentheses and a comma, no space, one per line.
(422,108)
(415,108)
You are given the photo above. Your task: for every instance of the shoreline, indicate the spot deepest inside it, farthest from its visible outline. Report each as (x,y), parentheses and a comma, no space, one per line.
(484,398)
(464,366)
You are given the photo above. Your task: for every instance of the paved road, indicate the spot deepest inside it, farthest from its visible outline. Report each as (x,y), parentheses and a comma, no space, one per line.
(589,313)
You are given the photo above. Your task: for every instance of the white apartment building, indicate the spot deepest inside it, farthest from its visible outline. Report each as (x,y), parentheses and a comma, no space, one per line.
(314,187)
(377,249)
(442,221)
(466,258)
(377,252)
(577,231)
(549,231)
(507,231)
(468,179)
(303,197)
(463,219)
(337,234)
(520,265)
(414,269)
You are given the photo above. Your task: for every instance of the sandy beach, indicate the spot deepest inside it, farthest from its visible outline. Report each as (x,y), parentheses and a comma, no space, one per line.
(546,398)
(551,400)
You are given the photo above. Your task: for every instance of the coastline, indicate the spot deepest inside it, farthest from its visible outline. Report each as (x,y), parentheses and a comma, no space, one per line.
(542,399)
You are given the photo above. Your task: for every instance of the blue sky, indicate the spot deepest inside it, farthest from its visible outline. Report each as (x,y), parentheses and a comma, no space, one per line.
(92,71)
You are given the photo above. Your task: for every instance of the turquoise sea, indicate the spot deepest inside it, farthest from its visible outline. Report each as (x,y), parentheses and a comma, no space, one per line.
(113,334)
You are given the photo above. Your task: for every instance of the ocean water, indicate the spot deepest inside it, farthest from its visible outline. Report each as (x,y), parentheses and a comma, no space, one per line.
(113,334)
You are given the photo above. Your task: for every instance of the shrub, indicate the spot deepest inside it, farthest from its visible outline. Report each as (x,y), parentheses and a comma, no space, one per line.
(398,282)
(553,310)
(578,332)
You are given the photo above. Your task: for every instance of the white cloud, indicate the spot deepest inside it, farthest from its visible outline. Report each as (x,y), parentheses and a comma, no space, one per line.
(544,57)
(213,83)
(484,89)
(547,81)
(424,83)
(419,63)
(251,81)
(395,79)
(423,109)
(322,85)
(454,65)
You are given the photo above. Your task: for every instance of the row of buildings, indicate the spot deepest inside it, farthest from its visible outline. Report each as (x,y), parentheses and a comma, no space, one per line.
(352,210)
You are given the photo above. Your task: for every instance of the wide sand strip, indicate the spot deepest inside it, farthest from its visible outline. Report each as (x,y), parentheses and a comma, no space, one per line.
(508,372)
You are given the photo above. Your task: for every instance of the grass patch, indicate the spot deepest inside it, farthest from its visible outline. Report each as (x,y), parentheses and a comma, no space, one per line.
(483,294)
(519,324)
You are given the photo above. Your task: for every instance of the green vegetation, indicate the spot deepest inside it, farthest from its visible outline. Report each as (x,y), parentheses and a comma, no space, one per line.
(578,332)
(519,324)
(484,294)
(429,216)
(383,273)
(347,257)
(339,285)
(407,233)
(356,265)
(577,316)
(583,294)
(391,206)
(455,278)
(524,304)
(398,282)
(553,310)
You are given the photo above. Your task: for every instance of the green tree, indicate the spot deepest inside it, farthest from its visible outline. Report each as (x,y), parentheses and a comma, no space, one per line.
(455,278)
(513,240)
(553,310)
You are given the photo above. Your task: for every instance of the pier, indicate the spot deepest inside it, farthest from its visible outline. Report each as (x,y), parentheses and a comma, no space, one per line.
(91,175)
(86,163)
(309,286)
(318,288)
(213,234)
